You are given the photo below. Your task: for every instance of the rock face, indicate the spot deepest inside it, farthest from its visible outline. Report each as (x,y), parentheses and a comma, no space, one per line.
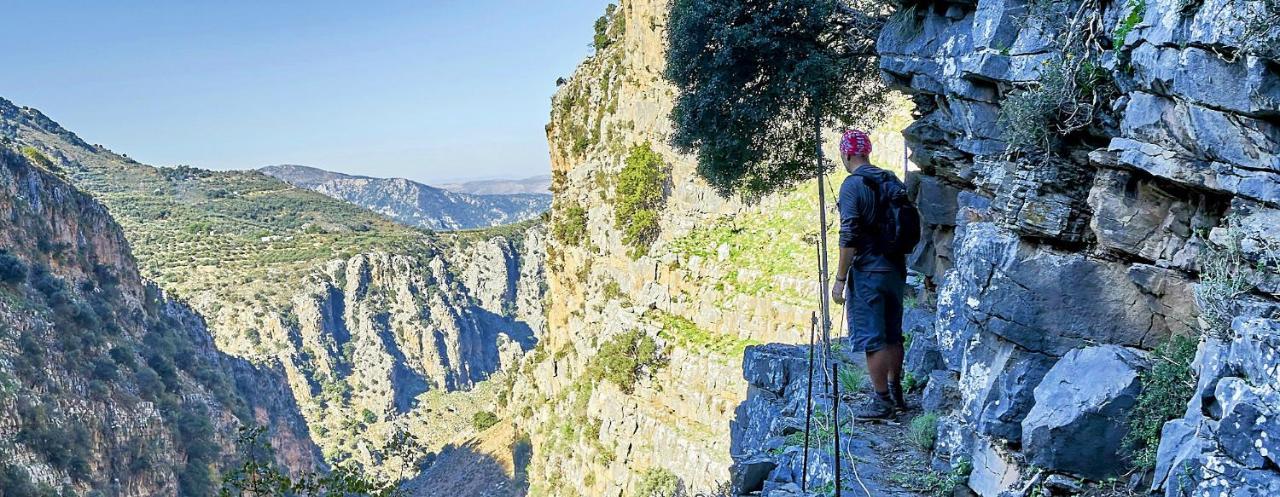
(1036,266)
(1225,443)
(719,277)
(107,384)
(416,204)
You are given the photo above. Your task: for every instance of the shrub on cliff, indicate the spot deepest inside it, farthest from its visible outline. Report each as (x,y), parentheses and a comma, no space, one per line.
(570,227)
(483,420)
(259,475)
(12,269)
(1074,88)
(754,78)
(16,482)
(639,196)
(625,358)
(658,482)
(38,158)
(1166,388)
(609,28)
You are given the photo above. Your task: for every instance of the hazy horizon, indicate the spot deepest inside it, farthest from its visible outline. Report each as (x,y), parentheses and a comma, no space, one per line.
(398,89)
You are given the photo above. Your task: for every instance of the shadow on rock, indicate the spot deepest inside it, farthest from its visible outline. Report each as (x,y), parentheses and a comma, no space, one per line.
(495,465)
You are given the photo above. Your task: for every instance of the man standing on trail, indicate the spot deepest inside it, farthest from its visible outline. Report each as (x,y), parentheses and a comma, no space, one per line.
(878,227)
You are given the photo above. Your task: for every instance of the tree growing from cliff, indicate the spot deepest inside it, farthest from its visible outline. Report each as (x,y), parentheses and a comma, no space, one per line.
(755,77)
(639,195)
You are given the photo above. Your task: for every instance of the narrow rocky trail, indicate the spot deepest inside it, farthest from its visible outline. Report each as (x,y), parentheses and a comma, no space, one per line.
(877,458)
(881,460)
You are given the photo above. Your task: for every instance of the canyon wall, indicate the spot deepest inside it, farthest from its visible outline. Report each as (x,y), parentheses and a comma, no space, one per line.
(718,277)
(107,384)
(377,328)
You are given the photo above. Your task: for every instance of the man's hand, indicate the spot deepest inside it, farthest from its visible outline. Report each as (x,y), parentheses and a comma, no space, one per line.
(837,292)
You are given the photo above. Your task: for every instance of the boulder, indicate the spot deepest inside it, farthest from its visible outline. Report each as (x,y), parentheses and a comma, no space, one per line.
(1180,440)
(923,356)
(749,475)
(997,385)
(1082,410)
(1250,417)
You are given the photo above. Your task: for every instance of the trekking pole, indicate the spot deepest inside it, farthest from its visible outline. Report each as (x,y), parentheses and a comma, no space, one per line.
(835,413)
(823,282)
(808,406)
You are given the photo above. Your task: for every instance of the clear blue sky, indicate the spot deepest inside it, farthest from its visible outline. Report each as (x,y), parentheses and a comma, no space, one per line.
(428,90)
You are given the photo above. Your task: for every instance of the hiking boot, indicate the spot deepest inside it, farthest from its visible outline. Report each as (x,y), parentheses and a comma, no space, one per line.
(898,397)
(877,407)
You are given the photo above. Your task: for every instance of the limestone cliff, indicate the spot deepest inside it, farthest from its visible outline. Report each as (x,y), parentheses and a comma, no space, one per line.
(718,277)
(106,383)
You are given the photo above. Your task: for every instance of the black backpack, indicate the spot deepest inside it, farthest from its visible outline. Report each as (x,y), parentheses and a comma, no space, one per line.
(897,220)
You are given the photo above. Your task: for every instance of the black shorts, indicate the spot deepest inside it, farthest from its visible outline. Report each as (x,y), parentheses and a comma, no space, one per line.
(873,308)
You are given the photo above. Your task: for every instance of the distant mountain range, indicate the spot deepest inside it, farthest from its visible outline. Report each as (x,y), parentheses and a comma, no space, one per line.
(534,184)
(469,205)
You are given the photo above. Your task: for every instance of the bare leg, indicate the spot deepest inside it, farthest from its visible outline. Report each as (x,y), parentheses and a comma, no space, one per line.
(879,365)
(898,355)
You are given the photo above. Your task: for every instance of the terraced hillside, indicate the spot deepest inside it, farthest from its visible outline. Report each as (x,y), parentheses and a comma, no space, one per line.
(368,318)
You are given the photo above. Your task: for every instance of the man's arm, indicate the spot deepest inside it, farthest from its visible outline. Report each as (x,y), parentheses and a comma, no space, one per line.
(849,224)
(846,260)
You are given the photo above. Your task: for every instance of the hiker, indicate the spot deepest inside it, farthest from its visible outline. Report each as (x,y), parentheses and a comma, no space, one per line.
(877,231)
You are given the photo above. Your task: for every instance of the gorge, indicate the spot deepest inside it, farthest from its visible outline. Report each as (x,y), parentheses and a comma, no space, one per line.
(1097,317)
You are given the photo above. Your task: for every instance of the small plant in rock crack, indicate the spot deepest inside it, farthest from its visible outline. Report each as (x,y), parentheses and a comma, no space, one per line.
(1226,273)
(923,431)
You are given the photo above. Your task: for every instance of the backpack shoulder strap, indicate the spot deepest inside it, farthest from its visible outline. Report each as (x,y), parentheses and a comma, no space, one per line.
(874,185)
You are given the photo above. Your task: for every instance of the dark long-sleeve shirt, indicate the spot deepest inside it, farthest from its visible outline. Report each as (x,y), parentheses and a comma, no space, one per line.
(857,205)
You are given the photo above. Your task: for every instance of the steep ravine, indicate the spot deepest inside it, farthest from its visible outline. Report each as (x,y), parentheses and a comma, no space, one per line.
(107,384)
(378,328)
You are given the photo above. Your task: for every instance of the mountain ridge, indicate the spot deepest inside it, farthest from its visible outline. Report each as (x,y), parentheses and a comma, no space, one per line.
(413,203)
